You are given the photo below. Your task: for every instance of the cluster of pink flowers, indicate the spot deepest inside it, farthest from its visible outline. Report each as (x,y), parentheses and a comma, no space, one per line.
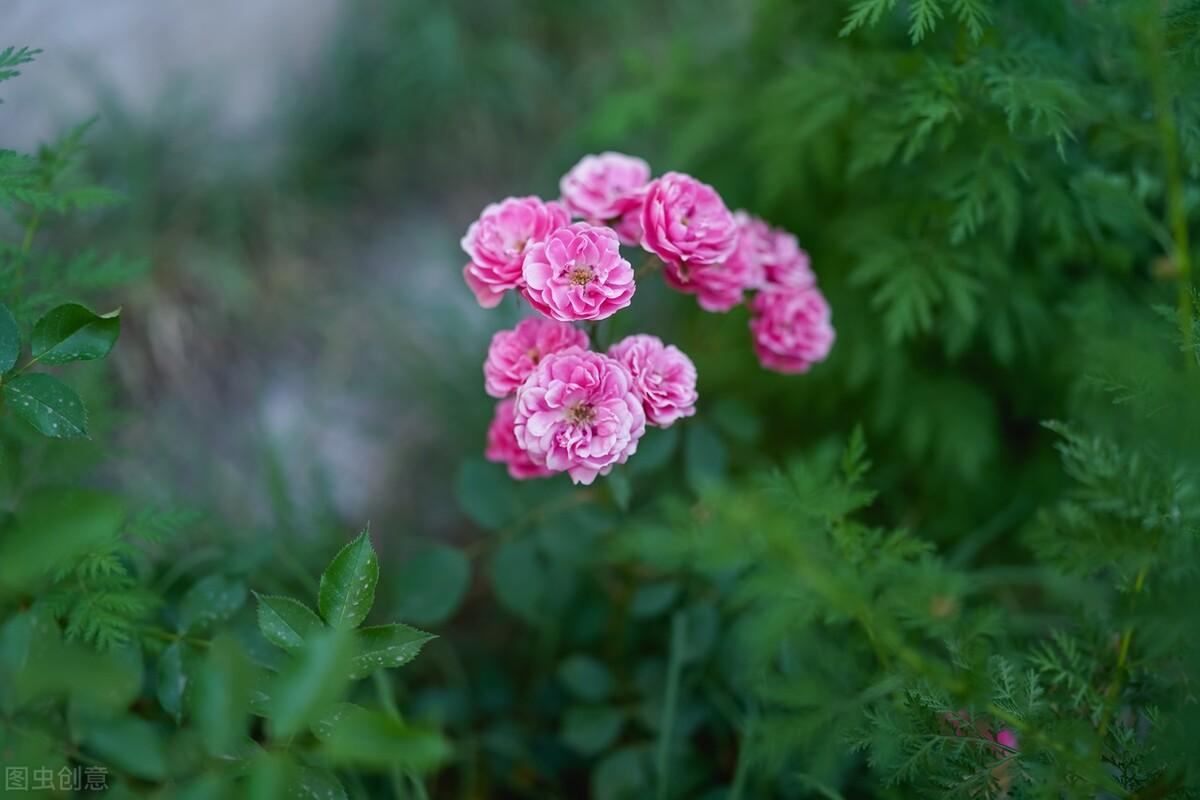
(567,409)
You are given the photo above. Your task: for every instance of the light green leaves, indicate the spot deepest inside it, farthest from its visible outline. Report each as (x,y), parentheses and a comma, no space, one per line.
(312,683)
(285,622)
(347,588)
(53,526)
(48,404)
(356,737)
(10,340)
(71,332)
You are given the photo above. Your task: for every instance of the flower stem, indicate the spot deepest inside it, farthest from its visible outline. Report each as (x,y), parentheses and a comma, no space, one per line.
(662,756)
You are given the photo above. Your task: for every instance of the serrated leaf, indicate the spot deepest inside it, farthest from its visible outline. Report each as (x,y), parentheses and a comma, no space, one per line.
(10,340)
(386,646)
(48,404)
(285,622)
(213,598)
(71,332)
(431,585)
(347,589)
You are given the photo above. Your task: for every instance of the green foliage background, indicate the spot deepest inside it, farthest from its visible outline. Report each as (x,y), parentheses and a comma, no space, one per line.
(980,514)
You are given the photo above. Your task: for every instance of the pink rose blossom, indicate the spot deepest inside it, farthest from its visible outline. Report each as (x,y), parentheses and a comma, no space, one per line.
(784,263)
(502,445)
(483,293)
(498,240)
(684,220)
(792,329)
(720,287)
(629,225)
(663,377)
(513,354)
(578,273)
(578,412)
(602,188)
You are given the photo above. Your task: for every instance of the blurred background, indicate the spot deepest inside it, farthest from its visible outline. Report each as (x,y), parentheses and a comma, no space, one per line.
(298,178)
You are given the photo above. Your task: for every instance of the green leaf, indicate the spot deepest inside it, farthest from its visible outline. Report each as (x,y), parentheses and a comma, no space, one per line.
(623,775)
(10,340)
(385,646)
(172,681)
(432,584)
(71,332)
(220,704)
(585,677)
(311,783)
(486,494)
(285,622)
(347,589)
(652,599)
(520,578)
(47,404)
(356,737)
(53,527)
(316,679)
(131,744)
(591,729)
(211,599)
(704,456)
(621,487)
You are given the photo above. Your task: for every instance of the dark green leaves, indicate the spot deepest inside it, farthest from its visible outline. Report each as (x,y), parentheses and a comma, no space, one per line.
(46,403)
(386,646)
(431,585)
(66,333)
(346,594)
(285,622)
(348,585)
(10,340)
(71,332)
(214,598)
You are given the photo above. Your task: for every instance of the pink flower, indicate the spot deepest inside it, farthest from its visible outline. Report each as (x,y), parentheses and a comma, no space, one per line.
(578,412)
(663,377)
(684,220)
(792,329)
(513,354)
(483,293)
(502,445)
(578,273)
(498,240)
(720,287)
(629,225)
(602,188)
(784,263)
